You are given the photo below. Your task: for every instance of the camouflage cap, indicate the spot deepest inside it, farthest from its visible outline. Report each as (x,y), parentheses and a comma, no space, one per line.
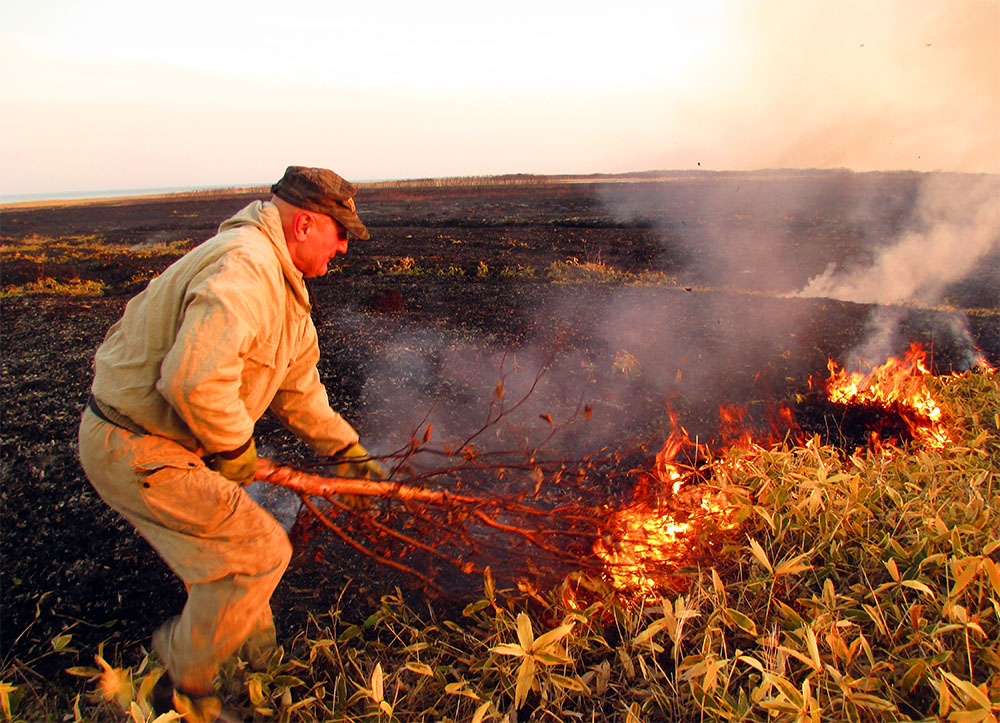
(323,191)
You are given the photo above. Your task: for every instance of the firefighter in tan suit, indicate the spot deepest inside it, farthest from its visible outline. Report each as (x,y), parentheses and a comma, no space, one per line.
(167,438)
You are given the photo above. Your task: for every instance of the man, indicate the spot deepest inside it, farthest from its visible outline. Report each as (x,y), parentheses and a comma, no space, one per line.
(167,438)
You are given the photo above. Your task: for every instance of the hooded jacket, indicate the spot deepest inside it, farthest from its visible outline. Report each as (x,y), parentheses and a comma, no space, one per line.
(222,335)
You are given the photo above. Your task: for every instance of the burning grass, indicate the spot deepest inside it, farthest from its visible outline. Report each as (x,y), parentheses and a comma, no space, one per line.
(858,586)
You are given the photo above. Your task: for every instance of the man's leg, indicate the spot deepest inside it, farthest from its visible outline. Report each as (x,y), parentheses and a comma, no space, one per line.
(229,552)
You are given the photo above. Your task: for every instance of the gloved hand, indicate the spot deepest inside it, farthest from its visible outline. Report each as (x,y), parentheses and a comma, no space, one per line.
(355,462)
(239,465)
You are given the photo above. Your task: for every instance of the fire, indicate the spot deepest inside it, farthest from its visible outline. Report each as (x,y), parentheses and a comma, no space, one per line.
(656,533)
(899,383)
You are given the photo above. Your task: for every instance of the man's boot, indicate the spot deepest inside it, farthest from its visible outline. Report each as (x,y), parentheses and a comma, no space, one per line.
(193,709)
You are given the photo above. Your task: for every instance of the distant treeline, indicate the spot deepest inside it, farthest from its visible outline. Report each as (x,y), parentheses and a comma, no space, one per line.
(512,179)
(516,179)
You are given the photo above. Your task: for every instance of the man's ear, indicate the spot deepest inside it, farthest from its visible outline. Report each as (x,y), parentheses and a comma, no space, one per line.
(301,224)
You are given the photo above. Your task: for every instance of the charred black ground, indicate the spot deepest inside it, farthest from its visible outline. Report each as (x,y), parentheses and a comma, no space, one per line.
(70,564)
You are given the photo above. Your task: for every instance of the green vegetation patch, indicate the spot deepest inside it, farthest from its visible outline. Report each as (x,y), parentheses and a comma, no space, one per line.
(46,285)
(79,265)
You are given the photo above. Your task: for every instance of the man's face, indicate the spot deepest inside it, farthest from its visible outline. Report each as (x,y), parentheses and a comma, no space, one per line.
(322,239)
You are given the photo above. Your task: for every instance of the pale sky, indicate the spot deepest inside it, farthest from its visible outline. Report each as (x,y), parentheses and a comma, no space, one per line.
(118,94)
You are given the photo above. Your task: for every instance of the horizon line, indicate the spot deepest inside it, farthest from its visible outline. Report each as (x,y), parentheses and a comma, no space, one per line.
(39,198)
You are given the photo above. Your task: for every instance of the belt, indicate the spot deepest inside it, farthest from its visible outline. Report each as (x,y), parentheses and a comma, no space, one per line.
(113,416)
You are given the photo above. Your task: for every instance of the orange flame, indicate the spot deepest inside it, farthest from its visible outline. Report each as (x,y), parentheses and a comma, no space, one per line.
(898,382)
(657,532)
(647,539)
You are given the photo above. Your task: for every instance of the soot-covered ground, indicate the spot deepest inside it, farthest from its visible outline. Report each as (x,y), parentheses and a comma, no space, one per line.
(640,291)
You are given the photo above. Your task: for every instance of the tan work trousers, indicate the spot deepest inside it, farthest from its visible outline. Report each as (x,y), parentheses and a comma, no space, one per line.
(229,551)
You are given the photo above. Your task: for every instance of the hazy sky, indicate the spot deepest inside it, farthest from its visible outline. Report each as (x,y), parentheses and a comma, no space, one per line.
(111,94)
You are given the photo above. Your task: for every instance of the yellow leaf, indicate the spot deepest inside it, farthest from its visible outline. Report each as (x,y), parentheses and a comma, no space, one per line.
(256,691)
(632,715)
(893,570)
(551,638)
(993,573)
(420,668)
(799,656)
(481,711)
(573,684)
(966,576)
(971,692)
(944,700)
(385,707)
(651,630)
(377,692)
(767,517)
(551,658)
(525,677)
(508,649)
(136,713)
(740,620)
(813,648)
(720,589)
(489,586)
(5,690)
(917,585)
(524,634)
(871,701)
(115,683)
(761,556)
(752,662)
(794,565)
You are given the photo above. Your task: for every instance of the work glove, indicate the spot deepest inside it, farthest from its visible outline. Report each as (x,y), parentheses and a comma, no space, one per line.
(239,465)
(356,463)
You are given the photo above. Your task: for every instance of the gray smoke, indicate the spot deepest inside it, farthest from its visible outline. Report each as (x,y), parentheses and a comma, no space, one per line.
(955,226)
(954,229)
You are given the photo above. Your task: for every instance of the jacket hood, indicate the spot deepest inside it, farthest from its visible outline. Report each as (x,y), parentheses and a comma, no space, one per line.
(266,218)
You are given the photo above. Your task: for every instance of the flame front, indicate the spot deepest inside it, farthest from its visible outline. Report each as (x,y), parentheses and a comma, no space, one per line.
(646,540)
(657,533)
(901,382)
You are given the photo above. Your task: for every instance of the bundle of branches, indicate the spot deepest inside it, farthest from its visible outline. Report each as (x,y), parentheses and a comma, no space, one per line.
(527,512)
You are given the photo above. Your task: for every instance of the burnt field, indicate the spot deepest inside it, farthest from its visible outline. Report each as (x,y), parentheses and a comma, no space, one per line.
(627,295)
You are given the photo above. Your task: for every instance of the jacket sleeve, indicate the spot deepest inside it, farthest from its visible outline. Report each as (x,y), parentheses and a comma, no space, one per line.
(224,312)
(302,403)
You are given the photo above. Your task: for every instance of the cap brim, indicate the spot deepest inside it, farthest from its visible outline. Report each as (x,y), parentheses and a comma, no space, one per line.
(351,222)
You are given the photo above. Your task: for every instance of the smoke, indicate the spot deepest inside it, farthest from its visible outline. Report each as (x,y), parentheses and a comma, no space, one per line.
(602,365)
(953,233)
(956,225)
(912,240)
(598,364)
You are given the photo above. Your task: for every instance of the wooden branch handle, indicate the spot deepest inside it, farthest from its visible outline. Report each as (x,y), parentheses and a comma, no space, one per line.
(320,486)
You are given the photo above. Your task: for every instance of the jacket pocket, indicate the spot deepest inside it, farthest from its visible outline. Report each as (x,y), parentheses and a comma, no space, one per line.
(155,453)
(179,491)
(191,500)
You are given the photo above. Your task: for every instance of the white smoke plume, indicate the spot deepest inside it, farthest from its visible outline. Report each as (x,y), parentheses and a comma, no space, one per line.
(955,226)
